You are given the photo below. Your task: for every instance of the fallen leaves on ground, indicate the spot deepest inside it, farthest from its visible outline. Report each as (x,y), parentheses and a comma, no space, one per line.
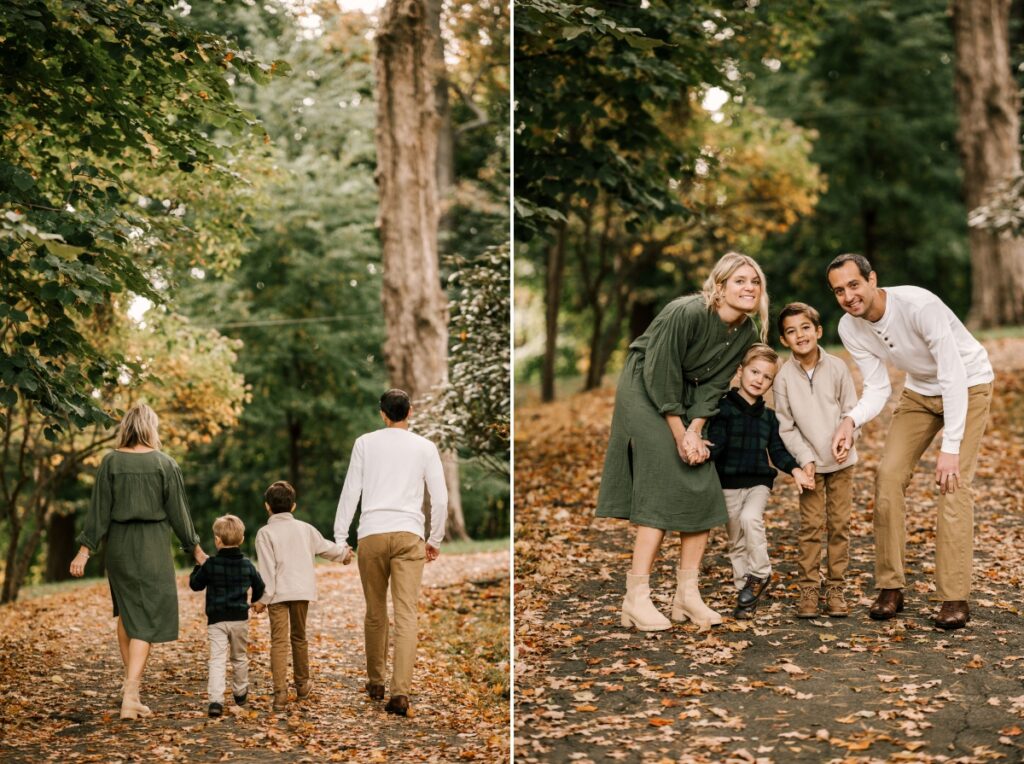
(775,689)
(60,677)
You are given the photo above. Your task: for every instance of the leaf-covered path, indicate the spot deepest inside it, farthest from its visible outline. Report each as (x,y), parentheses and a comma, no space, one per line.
(778,689)
(59,674)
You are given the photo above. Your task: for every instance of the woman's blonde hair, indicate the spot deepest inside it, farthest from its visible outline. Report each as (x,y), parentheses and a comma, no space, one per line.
(727,265)
(140,427)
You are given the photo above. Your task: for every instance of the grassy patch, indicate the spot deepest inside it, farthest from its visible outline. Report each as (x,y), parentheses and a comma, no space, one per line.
(474,546)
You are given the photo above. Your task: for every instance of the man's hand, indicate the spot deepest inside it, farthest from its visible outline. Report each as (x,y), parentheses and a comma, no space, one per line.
(432,553)
(78,564)
(258,607)
(947,472)
(842,441)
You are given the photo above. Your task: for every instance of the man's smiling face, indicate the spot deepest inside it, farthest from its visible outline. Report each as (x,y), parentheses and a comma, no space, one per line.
(854,293)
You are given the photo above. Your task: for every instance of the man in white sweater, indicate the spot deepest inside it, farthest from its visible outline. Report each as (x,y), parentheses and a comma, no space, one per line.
(389,469)
(948,387)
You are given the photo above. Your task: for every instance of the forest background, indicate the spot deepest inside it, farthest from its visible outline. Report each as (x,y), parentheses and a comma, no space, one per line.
(189,217)
(650,139)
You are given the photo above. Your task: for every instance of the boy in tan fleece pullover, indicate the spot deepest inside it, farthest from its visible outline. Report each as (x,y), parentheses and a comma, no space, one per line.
(813,391)
(286,549)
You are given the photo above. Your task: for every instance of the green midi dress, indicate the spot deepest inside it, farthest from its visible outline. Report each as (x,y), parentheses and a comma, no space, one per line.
(137,502)
(681,365)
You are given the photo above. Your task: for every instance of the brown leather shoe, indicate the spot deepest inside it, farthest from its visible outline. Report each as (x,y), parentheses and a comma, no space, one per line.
(375,691)
(399,704)
(304,690)
(887,605)
(953,615)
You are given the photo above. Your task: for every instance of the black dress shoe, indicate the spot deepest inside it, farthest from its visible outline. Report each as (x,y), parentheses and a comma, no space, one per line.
(953,615)
(215,710)
(752,590)
(399,704)
(375,691)
(887,605)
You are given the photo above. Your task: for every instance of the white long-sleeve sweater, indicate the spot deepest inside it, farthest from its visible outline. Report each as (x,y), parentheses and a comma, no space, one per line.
(919,334)
(389,469)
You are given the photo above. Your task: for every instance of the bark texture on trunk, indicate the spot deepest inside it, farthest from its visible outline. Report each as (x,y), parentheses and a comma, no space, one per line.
(554,278)
(415,306)
(989,139)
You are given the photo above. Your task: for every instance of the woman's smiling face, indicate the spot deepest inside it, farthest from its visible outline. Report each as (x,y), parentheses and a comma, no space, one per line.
(742,290)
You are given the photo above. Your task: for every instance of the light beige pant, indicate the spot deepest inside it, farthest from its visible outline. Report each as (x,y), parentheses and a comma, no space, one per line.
(748,544)
(396,559)
(228,637)
(288,630)
(826,511)
(916,421)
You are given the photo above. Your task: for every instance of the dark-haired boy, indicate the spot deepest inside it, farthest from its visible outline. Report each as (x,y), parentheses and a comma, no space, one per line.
(286,549)
(388,470)
(813,392)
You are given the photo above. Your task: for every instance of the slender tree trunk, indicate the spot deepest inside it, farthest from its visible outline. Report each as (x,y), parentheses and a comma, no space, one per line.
(60,547)
(989,138)
(415,308)
(11,584)
(552,303)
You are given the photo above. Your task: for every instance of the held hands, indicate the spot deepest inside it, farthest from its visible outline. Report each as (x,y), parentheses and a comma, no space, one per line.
(258,607)
(78,564)
(809,469)
(348,556)
(842,441)
(693,449)
(803,482)
(947,472)
(199,555)
(432,553)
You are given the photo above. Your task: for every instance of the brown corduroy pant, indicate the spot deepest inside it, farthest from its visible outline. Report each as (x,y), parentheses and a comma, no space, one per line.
(825,511)
(395,560)
(288,628)
(916,421)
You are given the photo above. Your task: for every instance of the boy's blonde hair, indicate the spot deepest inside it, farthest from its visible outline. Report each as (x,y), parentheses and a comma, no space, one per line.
(760,352)
(229,529)
(727,265)
(139,427)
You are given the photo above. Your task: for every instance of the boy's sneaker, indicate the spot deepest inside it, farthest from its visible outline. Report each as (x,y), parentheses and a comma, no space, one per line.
(215,710)
(304,690)
(807,606)
(241,699)
(280,702)
(835,603)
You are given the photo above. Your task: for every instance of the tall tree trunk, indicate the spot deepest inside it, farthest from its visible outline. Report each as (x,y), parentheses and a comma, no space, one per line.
(989,140)
(60,546)
(445,133)
(415,308)
(552,302)
(294,449)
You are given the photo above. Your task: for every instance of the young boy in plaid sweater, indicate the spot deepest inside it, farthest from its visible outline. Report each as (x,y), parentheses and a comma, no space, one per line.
(227,578)
(743,435)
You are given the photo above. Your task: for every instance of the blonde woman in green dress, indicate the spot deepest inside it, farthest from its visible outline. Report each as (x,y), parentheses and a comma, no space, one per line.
(656,471)
(137,502)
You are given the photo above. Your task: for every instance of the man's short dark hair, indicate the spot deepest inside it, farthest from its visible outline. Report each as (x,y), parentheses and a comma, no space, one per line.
(798,309)
(395,405)
(280,497)
(859,260)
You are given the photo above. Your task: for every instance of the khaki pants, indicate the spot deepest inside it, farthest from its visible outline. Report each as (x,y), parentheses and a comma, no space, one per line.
(228,637)
(288,627)
(395,558)
(916,421)
(826,511)
(748,544)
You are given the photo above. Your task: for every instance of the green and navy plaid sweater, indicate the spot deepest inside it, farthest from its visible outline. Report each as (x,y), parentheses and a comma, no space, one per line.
(227,578)
(742,437)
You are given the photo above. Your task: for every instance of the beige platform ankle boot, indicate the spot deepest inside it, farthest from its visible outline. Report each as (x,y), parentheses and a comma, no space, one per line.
(131,706)
(637,608)
(687,604)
